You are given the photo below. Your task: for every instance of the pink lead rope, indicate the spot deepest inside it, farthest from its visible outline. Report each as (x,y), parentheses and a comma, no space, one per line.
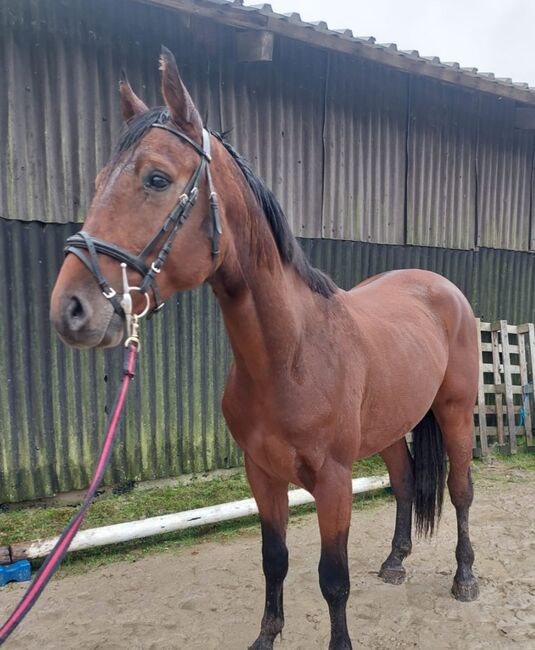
(53,561)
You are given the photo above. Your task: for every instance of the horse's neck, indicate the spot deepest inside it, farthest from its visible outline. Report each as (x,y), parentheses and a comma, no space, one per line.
(265,306)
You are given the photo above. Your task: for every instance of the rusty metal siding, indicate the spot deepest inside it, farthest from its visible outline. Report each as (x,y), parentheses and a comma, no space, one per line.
(274,112)
(441,183)
(505,167)
(365,156)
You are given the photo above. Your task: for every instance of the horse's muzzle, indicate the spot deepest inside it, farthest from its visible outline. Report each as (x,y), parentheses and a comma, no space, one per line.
(85,321)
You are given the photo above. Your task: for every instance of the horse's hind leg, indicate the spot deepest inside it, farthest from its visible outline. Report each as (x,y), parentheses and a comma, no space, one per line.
(272,499)
(456,423)
(399,464)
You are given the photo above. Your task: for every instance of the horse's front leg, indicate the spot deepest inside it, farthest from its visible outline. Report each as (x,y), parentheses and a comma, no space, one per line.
(272,498)
(333,502)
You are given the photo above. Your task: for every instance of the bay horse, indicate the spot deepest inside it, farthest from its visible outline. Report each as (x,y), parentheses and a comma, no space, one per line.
(321,376)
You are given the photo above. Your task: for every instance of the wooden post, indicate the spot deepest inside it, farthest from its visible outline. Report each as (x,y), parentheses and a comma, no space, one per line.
(497,380)
(527,389)
(5,555)
(531,349)
(481,407)
(506,357)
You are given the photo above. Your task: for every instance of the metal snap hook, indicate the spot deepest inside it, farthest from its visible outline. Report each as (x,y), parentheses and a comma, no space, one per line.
(131,319)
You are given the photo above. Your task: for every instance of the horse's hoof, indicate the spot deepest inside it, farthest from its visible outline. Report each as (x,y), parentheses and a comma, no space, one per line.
(344,644)
(392,576)
(465,592)
(262,643)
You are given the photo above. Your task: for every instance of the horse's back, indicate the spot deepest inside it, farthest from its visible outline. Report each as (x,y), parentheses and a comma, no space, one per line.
(408,278)
(394,290)
(422,301)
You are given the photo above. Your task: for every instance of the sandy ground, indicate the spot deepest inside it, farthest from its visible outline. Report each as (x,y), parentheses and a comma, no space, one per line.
(211,596)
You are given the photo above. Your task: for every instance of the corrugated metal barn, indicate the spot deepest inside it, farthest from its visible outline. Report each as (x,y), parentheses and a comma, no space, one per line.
(382,159)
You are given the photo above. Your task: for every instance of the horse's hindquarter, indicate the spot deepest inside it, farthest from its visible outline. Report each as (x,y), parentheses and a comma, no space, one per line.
(415,329)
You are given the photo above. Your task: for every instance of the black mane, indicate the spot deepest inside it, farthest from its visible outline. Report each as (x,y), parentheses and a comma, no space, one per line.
(137,127)
(287,245)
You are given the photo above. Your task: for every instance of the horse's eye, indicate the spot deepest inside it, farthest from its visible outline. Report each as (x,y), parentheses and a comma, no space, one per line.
(157,182)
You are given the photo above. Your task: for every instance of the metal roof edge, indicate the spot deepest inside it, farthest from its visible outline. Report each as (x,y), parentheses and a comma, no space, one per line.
(262,16)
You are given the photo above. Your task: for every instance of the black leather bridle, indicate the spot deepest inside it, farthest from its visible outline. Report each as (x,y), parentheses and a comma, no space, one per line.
(82,241)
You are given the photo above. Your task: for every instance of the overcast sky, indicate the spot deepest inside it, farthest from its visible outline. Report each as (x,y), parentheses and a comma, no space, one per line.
(491,35)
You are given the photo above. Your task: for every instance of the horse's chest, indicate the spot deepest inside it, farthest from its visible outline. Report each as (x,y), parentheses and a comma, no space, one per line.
(287,438)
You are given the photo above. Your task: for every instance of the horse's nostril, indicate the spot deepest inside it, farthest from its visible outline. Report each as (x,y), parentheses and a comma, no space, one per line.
(75,314)
(76,308)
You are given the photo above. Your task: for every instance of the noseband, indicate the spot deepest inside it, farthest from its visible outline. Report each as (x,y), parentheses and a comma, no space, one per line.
(82,241)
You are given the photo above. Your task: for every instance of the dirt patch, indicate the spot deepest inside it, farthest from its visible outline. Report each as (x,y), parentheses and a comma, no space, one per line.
(211,597)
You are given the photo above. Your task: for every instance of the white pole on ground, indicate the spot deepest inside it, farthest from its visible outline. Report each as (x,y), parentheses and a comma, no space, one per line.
(178,521)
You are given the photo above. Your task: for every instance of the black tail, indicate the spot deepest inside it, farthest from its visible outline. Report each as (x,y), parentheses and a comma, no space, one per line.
(429,473)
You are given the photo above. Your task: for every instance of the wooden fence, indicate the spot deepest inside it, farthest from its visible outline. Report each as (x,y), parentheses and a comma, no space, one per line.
(505,409)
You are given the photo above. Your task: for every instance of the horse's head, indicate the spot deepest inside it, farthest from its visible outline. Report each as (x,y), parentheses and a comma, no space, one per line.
(153,209)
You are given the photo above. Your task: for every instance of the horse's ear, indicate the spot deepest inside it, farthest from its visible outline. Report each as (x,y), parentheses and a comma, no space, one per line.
(177,99)
(130,103)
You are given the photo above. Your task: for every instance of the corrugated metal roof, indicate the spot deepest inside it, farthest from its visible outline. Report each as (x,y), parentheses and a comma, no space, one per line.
(262,16)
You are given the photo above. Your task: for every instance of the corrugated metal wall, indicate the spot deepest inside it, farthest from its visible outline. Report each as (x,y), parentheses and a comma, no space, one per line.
(353,150)
(441,184)
(275,113)
(59,108)
(65,59)
(365,152)
(53,399)
(505,162)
